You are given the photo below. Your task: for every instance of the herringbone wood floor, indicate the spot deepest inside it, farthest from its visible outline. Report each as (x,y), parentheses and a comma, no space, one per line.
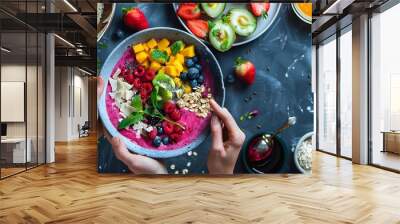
(71,191)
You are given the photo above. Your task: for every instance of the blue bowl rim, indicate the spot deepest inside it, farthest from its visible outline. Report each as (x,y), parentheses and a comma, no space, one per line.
(115,133)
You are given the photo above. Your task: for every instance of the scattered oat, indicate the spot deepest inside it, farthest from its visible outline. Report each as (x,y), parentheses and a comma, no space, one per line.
(172,166)
(177,172)
(188,164)
(189,153)
(185,171)
(195,153)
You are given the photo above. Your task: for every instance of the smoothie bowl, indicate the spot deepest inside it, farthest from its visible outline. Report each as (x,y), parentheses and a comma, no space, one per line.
(158,83)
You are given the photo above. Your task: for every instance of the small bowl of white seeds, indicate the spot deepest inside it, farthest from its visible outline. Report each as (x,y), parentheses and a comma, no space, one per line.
(303,153)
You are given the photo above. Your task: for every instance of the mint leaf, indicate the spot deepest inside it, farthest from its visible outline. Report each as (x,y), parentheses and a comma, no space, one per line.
(155,98)
(137,103)
(132,119)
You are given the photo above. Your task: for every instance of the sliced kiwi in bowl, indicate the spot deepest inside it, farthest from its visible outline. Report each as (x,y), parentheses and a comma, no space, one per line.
(242,21)
(221,35)
(213,9)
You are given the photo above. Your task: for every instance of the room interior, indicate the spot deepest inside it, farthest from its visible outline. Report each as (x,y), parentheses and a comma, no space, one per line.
(52,87)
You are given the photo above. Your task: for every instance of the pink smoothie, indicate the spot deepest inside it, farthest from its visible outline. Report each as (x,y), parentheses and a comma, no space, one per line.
(194,124)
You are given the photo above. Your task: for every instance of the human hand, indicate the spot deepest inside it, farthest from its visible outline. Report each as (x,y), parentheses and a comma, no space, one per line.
(224,152)
(137,164)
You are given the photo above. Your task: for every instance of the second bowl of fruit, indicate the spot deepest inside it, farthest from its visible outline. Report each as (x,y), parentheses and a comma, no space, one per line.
(158,85)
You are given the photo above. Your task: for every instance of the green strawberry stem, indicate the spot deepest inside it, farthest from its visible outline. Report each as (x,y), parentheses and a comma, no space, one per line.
(126,10)
(264,15)
(239,61)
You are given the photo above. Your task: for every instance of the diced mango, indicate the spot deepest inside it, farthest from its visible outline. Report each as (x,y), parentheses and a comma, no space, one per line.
(142,56)
(179,57)
(178,66)
(155,65)
(168,50)
(188,51)
(138,48)
(163,44)
(171,60)
(152,43)
(145,64)
(171,71)
(185,69)
(162,69)
(146,48)
(178,82)
(187,88)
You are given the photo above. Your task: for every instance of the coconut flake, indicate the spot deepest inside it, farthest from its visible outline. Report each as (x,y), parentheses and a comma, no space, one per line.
(116,74)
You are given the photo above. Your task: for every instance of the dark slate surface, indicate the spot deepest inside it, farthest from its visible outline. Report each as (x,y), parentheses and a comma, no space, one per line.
(282,57)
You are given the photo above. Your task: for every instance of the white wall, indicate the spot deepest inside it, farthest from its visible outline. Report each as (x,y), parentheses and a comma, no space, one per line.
(69,82)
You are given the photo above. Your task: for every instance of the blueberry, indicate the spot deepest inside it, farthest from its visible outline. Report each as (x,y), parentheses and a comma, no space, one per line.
(165,140)
(198,66)
(184,76)
(160,130)
(157,141)
(193,73)
(119,34)
(200,79)
(193,83)
(189,62)
(153,120)
(230,78)
(195,59)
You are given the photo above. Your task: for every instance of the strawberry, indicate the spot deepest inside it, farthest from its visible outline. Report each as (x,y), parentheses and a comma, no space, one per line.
(169,107)
(259,9)
(189,11)
(245,70)
(149,75)
(168,127)
(198,27)
(175,115)
(135,19)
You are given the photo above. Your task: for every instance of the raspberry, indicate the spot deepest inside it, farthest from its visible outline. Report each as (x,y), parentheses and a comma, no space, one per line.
(175,137)
(129,78)
(144,95)
(147,87)
(152,134)
(137,83)
(169,107)
(140,71)
(175,115)
(178,130)
(168,127)
(149,75)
